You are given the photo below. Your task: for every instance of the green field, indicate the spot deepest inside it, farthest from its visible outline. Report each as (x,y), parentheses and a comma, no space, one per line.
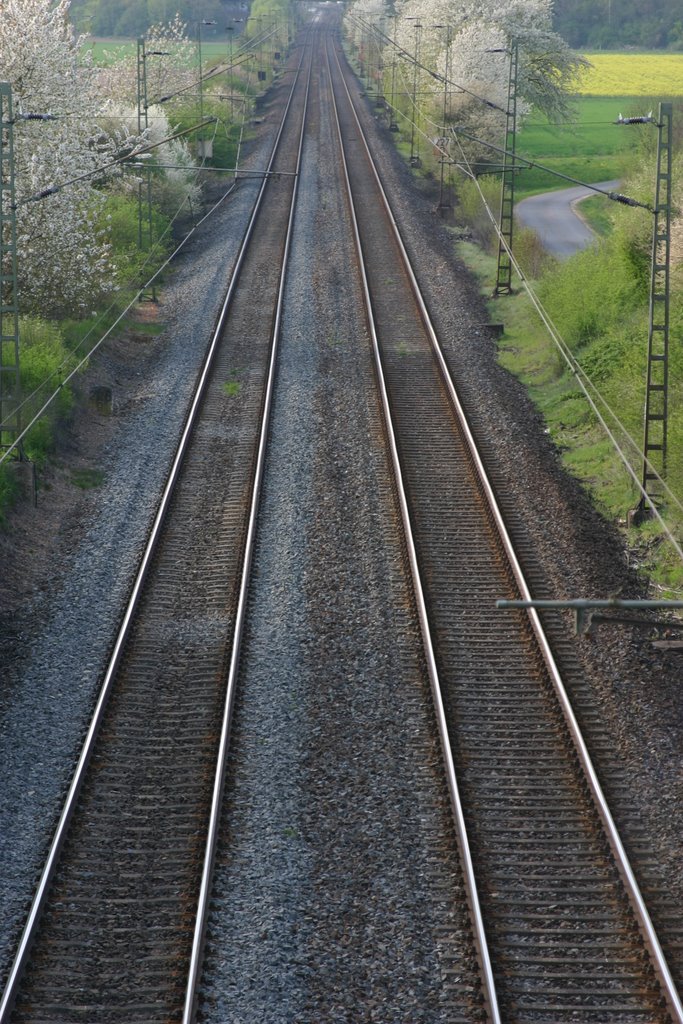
(598,299)
(105,53)
(591,147)
(644,74)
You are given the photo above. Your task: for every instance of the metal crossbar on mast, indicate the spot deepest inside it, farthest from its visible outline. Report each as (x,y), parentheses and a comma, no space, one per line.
(657,385)
(10,383)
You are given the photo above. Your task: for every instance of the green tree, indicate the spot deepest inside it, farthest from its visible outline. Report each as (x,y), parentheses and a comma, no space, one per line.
(605,24)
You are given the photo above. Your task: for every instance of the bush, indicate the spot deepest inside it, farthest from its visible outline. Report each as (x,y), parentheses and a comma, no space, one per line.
(528,250)
(121,218)
(472,213)
(45,362)
(8,492)
(593,291)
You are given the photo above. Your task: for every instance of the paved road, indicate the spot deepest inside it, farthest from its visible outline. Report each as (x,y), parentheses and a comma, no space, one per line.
(553,217)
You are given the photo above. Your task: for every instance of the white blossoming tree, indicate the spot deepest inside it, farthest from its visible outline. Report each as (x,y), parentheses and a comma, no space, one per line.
(473,40)
(170,67)
(170,73)
(175,172)
(64,261)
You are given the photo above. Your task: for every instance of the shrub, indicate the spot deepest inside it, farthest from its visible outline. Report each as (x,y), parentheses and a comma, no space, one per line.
(121,219)
(8,493)
(529,251)
(45,362)
(594,290)
(471,210)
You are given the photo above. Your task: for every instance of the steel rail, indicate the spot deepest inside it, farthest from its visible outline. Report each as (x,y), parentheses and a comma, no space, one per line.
(240,617)
(50,866)
(623,864)
(481,943)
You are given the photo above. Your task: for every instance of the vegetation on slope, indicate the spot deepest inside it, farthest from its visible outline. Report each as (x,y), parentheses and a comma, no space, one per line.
(598,300)
(86,247)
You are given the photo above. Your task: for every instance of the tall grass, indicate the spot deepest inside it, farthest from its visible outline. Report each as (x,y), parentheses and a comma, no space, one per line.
(9,492)
(45,362)
(590,147)
(598,300)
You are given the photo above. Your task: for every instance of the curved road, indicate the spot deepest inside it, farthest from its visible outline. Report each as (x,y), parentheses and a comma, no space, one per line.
(553,217)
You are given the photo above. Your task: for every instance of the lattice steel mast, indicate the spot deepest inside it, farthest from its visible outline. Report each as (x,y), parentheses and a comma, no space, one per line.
(657,387)
(507,196)
(10,426)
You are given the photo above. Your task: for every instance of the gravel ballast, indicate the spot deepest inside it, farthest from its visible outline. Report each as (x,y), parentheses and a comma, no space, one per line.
(636,687)
(336,868)
(79,552)
(55,639)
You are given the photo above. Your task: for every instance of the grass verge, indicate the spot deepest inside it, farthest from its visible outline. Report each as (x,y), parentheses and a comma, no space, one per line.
(616,359)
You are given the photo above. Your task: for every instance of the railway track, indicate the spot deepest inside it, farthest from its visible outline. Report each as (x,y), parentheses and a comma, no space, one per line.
(114,929)
(350,905)
(557,928)
(563,933)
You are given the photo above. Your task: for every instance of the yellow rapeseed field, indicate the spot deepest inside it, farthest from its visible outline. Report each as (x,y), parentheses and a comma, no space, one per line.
(633,74)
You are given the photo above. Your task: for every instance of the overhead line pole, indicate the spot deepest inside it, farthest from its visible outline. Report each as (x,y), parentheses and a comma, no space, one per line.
(414,138)
(204,146)
(10,379)
(657,388)
(507,192)
(442,205)
(142,128)
(143,125)
(393,126)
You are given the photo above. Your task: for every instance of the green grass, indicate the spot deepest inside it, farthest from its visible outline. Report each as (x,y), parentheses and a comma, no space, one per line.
(592,130)
(528,352)
(105,53)
(9,492)
(150,329)
(596,211)
(232,386)
(614,355)
(591,148)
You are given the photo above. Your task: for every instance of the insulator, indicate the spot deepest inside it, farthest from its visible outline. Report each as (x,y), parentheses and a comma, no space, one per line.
(626,200)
